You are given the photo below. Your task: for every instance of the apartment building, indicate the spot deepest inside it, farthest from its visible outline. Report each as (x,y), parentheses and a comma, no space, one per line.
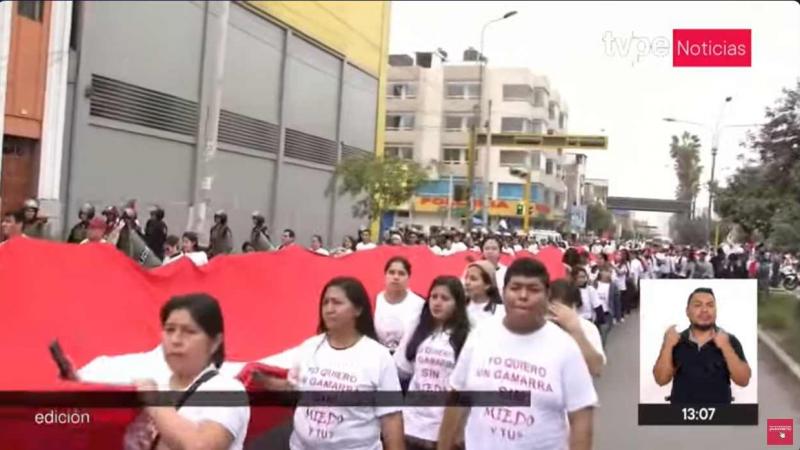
(431,106)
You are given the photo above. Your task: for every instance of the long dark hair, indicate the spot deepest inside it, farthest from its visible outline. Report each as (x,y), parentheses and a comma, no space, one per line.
(357,295)
(493,292)
(566,292)
(457,324)
(205,311)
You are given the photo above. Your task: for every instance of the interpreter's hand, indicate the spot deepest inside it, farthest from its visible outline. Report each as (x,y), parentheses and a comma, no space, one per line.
(565,317)
(721,339)
(671,337)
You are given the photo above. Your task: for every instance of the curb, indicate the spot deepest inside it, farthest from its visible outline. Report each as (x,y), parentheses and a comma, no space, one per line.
(788,361)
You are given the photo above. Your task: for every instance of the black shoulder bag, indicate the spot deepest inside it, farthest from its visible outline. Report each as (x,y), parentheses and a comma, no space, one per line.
(185,396)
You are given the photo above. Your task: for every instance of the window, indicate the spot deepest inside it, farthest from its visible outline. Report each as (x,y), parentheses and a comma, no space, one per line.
(551,112)
(558,200)
(399,152)
(562,121)
(548,168)
(463,90)
(458,122)
(459,192)
(516,125)
(517,92)
(536,160)
(539,126)
(539,97)
(401,121)
(401,90)
(513,157)
(32,9)
(454,155)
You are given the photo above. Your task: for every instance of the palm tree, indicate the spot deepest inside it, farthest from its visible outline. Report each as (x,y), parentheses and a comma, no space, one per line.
(685,153)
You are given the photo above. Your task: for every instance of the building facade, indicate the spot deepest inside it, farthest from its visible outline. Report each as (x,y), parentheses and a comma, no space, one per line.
(430,111)
(595,190)
(296,87)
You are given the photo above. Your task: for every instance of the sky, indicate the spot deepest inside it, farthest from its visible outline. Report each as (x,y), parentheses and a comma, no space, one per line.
(625,96)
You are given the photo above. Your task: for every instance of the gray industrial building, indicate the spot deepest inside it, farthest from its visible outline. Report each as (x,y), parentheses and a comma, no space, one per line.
(140,84)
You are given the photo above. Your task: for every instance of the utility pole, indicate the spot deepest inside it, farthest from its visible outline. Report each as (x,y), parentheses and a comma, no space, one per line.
(526,198)
(486,165)
(470,174)
(208,129)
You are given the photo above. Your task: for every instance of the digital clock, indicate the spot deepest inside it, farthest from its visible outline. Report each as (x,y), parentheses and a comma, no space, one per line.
(695,414)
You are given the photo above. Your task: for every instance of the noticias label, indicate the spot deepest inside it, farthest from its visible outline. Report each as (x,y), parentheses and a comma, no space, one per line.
(711,48)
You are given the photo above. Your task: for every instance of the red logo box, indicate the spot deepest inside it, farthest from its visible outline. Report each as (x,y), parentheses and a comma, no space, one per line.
(711,48)
(780,431)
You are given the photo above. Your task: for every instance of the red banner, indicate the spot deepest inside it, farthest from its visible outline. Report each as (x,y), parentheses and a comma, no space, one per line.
(96,301)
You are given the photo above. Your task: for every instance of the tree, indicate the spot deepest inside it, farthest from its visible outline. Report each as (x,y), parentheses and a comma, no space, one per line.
(598,219)
(763,197)
(378,184)
(689,231)
(685,152)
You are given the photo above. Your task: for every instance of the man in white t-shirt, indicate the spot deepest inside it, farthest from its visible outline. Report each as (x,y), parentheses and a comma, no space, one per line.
(523,351)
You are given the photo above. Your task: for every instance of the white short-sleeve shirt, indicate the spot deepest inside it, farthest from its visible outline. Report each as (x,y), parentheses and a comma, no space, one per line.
(365,366)
(234,419)
(430,371)
(477,313)
(547,362)
(392,320)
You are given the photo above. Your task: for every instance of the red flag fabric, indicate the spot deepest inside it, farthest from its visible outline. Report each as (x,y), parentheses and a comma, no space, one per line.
(96,301)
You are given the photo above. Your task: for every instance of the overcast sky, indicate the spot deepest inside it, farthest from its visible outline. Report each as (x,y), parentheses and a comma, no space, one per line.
(625,96)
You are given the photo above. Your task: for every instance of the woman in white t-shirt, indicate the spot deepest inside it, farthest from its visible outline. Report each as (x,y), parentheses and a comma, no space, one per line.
(345,357)
(428,354)
(481,287)
(396,307)
(590,308)
(191,248)
(193,347)
(564,300)
(491,252)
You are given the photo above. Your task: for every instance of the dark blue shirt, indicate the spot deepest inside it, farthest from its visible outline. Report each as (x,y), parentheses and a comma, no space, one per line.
(701,374)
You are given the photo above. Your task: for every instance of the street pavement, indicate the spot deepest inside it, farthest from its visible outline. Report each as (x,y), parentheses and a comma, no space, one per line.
(616,422)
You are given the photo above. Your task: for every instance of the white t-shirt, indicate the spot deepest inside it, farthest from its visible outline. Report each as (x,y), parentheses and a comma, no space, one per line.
(392,321)
(477,313)
(637,269)
(546,362)
(366,366)
(603,290)
(458,247)
(171,259)
(322,251)
(593,336)
(234,419)
(500,277)
(430,371)
(363,246)
(589,302)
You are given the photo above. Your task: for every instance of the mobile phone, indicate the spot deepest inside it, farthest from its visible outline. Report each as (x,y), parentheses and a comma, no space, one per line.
(65,369)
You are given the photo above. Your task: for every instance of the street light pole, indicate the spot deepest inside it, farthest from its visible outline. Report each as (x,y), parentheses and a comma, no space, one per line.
(480,123)
(714,149)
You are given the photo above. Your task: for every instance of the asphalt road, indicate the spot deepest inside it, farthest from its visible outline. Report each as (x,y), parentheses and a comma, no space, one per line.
(616,422)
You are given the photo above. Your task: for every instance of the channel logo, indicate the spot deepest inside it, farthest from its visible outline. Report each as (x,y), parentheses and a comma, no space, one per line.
(711,48)
(780,431)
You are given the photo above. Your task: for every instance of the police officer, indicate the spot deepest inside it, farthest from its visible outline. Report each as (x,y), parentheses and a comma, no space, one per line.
(79,232)
(113,224)
(33,225)
(221,240)
(156,231)
(259,237)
